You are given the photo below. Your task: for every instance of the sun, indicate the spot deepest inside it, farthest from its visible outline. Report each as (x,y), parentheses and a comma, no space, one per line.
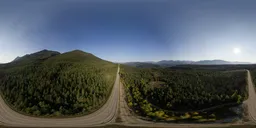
(236,50)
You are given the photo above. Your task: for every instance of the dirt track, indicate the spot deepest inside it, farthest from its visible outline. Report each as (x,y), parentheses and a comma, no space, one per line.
(251,101)
(130,119)
(107,114)
(126,113)
(104,115)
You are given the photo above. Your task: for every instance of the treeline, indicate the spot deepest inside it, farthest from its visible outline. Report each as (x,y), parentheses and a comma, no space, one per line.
(151,91)
(58,88)
(253,75)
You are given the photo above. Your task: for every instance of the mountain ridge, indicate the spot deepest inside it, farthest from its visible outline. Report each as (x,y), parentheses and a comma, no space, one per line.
(168,63)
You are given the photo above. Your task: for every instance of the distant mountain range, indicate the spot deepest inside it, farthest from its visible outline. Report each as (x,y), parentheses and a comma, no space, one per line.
(169,63)
(44,54)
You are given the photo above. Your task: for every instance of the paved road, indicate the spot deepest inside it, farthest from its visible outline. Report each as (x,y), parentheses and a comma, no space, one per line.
(105,115)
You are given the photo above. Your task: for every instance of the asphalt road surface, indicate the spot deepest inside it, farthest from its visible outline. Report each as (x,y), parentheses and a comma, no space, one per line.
(105,115)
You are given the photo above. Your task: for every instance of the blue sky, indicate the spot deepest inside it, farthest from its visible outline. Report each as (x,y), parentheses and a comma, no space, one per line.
(122,31)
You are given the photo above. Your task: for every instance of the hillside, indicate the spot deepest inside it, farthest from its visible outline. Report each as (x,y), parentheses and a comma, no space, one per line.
(48,83)
(33,58)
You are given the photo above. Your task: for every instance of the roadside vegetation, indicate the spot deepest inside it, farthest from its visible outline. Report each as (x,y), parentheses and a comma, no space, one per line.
(166,94)
(51,84)
(253,74)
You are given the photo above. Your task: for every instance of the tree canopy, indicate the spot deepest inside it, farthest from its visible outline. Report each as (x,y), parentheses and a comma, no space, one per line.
(152,91)
(65,84)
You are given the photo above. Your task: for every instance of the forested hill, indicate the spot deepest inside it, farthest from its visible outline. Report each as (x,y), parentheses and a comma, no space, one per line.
(32,58)
(48,83)
(77,56)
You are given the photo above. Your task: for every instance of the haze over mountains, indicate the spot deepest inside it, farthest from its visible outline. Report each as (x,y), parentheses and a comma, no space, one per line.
(162,63)
(167,63)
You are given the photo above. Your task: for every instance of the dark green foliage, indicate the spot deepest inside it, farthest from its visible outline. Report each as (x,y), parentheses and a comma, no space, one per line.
(142,65)
(253,74)
(193,90)
(151,90)
(66,84)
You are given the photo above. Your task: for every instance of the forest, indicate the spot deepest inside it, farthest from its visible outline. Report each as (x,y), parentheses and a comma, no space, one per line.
(55,85)
(182,94)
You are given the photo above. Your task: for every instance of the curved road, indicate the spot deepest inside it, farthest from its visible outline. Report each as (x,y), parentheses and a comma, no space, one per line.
(128,119)
(108,114)
(105,115)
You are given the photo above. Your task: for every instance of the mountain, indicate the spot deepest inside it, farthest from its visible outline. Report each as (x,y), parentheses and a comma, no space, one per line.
(169,63)
(17,58)
(44,54)
(211,62)
(48,83)
(201,62)
(32,58)
(77,56)
(236,62)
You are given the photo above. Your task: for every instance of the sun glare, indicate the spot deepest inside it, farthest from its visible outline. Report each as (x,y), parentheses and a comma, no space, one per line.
(236,50)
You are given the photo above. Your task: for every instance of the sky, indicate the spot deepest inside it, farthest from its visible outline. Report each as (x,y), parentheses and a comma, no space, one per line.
(135,30)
